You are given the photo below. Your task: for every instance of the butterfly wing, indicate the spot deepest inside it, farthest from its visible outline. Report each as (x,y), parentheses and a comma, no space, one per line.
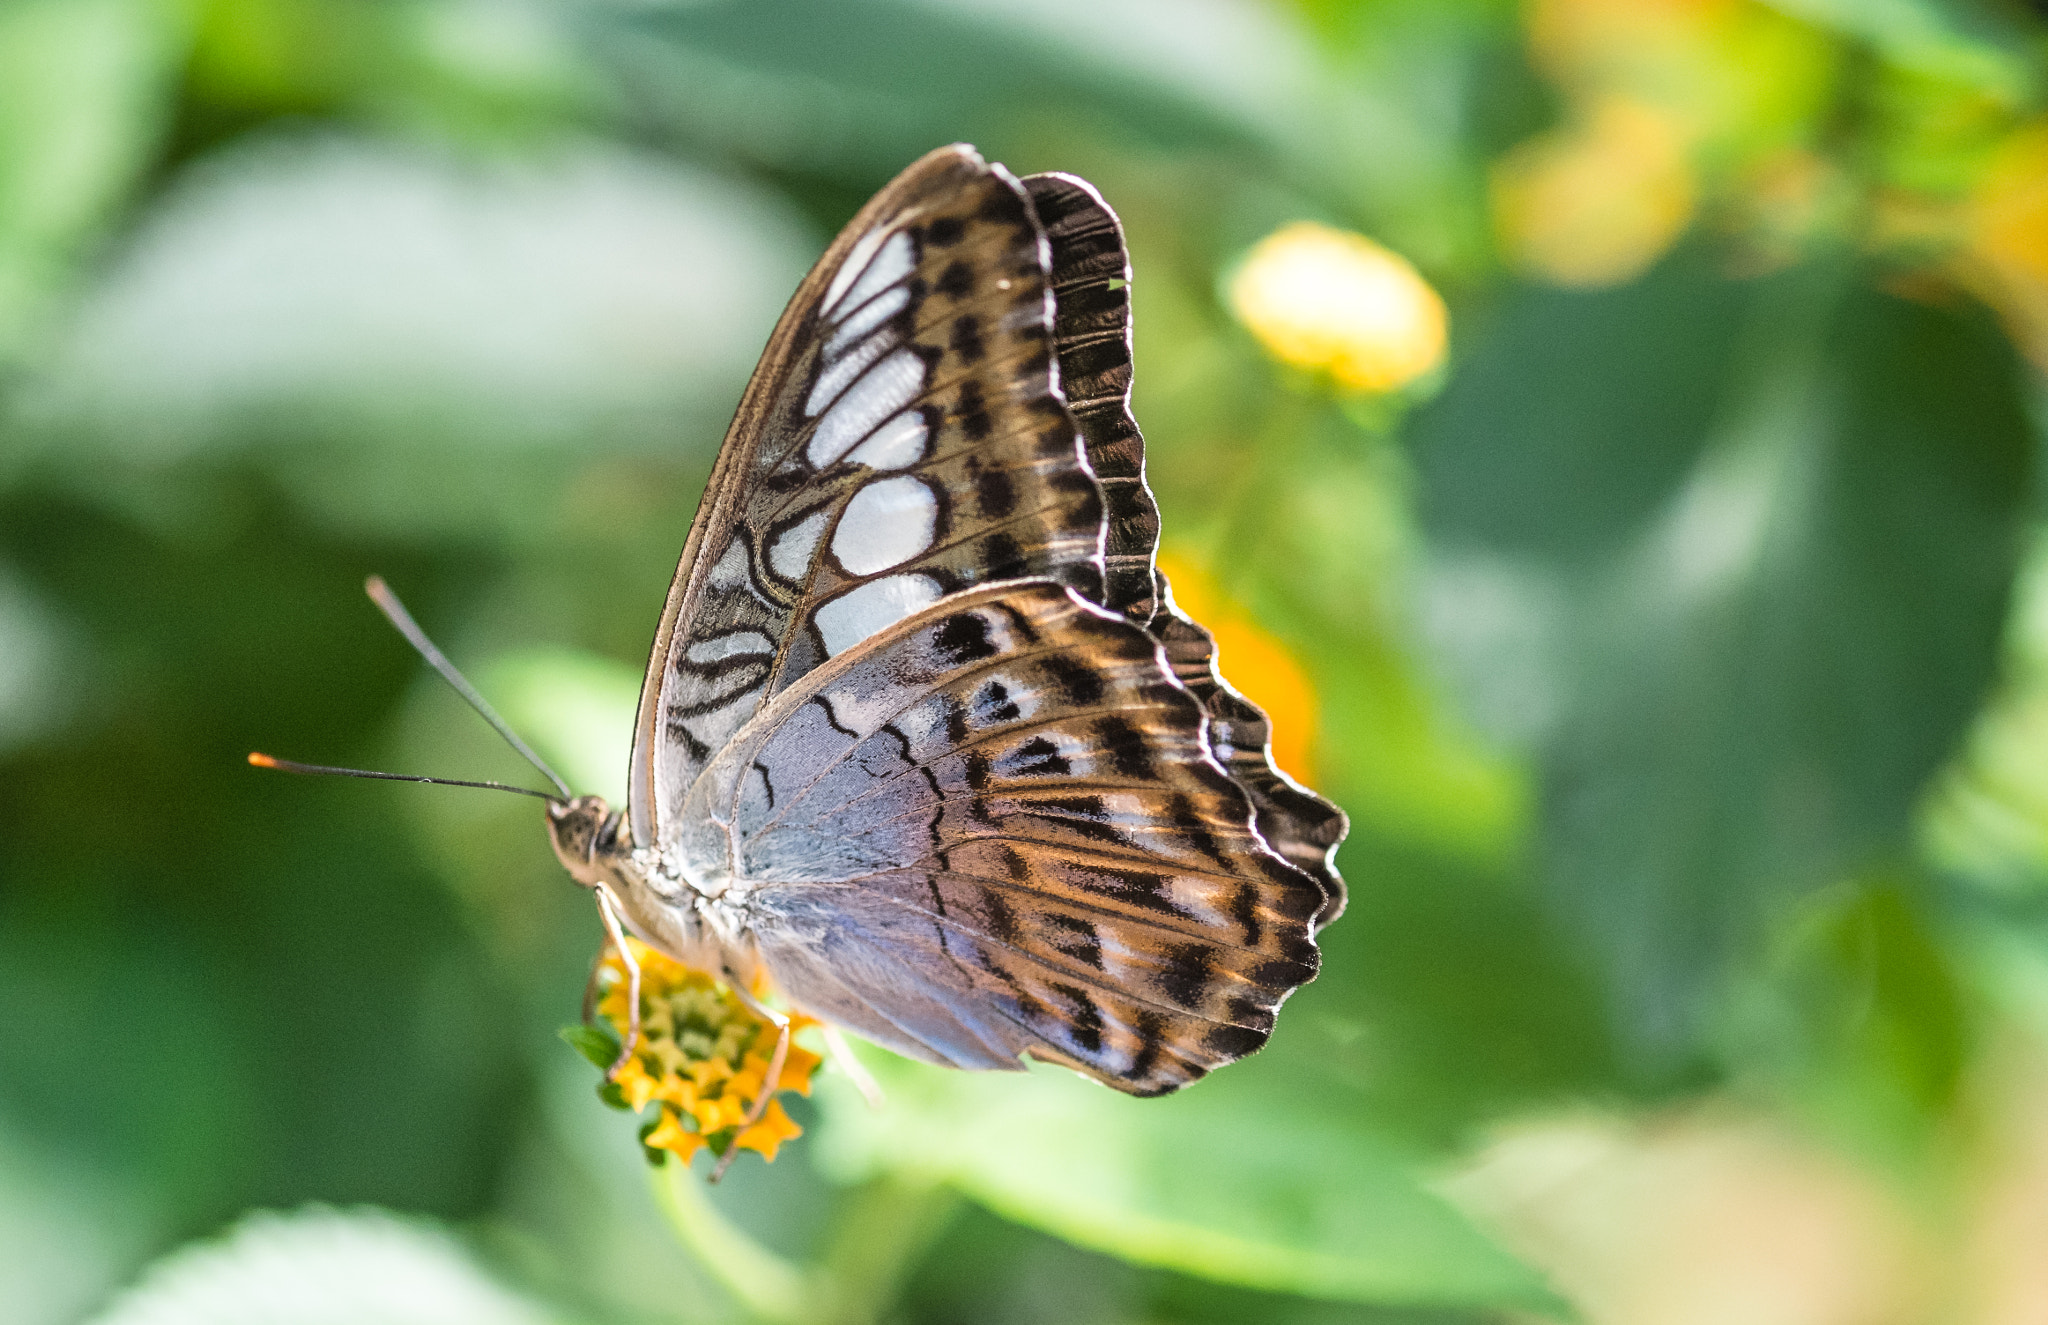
(997,829)
(1131,888)
(903,438)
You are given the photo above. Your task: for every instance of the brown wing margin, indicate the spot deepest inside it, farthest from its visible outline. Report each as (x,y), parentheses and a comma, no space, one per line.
(1091,282)
(1091,276)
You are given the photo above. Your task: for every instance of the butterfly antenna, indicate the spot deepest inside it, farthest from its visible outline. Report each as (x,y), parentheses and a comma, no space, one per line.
(394,612)
(294,766)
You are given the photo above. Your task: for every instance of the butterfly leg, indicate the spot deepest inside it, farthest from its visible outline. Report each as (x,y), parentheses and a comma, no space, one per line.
(843,1059)
(607,910)
(775,1063)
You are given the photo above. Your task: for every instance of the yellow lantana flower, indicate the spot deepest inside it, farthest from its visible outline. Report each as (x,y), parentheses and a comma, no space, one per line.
(702,1057)
(1255,662)
(1332,301)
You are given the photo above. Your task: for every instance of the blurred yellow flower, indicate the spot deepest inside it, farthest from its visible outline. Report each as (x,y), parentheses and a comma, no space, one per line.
(2009,235)
(702,1056)
(1597,202)
(1255,663)
(1332,301)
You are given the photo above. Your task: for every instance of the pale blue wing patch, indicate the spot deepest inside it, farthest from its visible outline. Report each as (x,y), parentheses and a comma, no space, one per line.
(1007,804)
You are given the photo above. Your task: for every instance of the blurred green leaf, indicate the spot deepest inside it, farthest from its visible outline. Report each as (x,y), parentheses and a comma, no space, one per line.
(1942,38)
(1985,828)
(1231,1180)
(595,1043)
(1765,686)
(316,1266)
(1572,415)
(377,321)
(84,99)
(1861,1021)
(856,90)
(1401,1037)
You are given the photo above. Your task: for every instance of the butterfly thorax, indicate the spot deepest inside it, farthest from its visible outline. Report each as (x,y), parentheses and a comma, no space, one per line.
(697,920)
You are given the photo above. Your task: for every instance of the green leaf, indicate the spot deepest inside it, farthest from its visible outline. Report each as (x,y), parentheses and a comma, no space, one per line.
(85,90)
(1764,685)
(1932,37)
(1862,1022)
(1575,414)
(1238,1179)
(654,1154)
(856,90)
(319,1265)
(596,1043)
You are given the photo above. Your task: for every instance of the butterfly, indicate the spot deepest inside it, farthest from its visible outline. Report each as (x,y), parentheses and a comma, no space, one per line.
(923,736)
(924,739)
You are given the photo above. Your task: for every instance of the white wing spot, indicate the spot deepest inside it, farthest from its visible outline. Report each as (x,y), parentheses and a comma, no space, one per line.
(886,524)
(886,388)
(895,444)
(790,554)
(732,570)
(719,647)
(856,262)
(716,727)
(839,372)
(864,320)
(896,261)
(861,611)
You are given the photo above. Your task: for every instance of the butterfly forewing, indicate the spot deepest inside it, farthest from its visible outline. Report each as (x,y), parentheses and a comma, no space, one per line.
(997,829)
(1091,277)
(903,438)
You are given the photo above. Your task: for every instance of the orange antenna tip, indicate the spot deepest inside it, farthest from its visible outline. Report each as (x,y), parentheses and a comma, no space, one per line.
(261,761)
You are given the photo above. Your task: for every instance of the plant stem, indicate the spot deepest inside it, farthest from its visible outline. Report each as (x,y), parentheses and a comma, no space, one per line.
(881,1229)
(766,1284)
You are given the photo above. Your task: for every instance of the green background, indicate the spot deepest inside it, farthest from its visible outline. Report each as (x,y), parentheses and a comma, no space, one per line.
(1681,649)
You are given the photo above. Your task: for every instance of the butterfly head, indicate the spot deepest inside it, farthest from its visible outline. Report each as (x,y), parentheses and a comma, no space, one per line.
(585,834)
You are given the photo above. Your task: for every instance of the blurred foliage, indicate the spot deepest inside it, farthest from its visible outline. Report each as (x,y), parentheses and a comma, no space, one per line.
(1678,645)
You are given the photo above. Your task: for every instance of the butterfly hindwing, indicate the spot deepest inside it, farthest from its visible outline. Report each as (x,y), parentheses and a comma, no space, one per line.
(997,829)
(903,438)
(1298,824)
